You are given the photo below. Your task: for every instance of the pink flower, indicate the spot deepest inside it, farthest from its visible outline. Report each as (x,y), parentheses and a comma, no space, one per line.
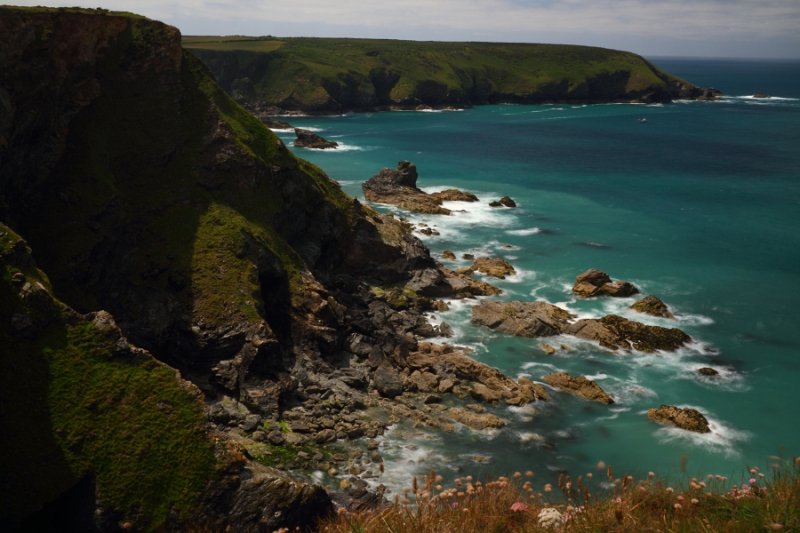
(753,481)
(519,507)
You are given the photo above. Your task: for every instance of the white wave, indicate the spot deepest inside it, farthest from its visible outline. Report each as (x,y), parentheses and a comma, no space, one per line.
(530,436)
(597,377)
(283,130)
(723,438)
(766,98)
(526,413)
(524,232)
(349,182)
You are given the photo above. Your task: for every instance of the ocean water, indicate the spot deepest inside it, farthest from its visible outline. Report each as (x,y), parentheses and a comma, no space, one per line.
(699,205)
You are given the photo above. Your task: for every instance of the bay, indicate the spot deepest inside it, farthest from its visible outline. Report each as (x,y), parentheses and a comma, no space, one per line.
(699,205)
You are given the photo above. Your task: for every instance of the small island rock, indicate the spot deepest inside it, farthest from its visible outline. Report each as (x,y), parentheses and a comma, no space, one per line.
(496,267)
(523,319)
(615,332)
(652,305)
(684,418)
(579,386)
(594,282)
(309,139)
(505,201)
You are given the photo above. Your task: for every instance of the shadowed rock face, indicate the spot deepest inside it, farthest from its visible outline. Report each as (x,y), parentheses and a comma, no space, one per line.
(616,332)
(684,418)
(309,139)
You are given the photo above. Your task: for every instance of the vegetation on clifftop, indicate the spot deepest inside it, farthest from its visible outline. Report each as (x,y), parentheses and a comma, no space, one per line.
(326,74)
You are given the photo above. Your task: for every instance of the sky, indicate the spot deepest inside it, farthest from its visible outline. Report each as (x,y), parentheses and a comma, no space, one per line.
(692,28)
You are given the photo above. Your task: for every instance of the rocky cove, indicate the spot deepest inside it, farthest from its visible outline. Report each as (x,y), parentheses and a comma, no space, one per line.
(287,323)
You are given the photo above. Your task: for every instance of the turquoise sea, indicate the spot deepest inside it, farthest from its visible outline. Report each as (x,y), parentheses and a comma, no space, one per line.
(699,205)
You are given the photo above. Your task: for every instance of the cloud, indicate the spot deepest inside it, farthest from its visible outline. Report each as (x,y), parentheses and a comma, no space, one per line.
(743,25)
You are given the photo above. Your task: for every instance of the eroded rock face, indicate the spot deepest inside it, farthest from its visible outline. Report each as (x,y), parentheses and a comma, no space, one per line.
(579,386)
(454,195)
(523,319)
(594,282)
(399,187)
(684,418)
(652,305)
(309,139)
(616,332)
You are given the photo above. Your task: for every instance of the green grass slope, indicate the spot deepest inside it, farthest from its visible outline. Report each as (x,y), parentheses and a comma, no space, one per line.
(319,74)
(84,412)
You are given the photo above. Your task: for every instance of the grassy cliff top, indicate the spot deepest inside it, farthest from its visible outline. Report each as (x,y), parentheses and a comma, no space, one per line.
(346,70)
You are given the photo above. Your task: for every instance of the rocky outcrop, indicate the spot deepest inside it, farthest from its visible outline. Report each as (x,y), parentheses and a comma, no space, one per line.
(505,201)
(594,282)
(309,139)
(652,305)
(684,418)
(708,372)
(399,187)
(523,319)
(495,267)
(541,319)
(618,333)
(579,386)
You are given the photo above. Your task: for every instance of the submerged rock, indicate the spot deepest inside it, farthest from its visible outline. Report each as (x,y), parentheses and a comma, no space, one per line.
(615,332)
(707,371)
(309,139)
(594,282)
(652,305)
(684,418)
(579,386)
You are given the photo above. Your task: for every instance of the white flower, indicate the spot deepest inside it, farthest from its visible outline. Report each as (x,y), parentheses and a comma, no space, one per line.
(550,517)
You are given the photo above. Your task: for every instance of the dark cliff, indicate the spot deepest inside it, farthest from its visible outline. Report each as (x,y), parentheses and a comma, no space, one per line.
(149,196)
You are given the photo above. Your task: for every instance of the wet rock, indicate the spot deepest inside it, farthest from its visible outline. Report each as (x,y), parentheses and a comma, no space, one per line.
(445,330)
(477,421)
(324,436)
(707,371)
(448,255)
(547,348)
(496,267)
(309,139)
(505,201)
(618,333)
(454,195)
(652,305)
(579,386)
(522,319)
(594,282)
(684,418)
(468,257)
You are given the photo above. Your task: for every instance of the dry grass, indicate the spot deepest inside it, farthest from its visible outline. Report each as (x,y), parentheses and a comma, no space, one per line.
(765,502)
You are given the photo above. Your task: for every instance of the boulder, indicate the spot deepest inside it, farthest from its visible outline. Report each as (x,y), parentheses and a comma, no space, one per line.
(652,305)
(522,319)
(505,201)
(387,381)
(399,187)
(448,255)
(579,386)
(454,195)
(594,282)
(309,139)
(684,418)
(615,332)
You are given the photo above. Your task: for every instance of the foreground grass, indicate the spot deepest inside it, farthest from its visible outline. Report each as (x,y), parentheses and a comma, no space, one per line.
(764,502)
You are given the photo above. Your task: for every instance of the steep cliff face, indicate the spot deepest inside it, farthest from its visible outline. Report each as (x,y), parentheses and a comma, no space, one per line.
(146,192)
(327,75)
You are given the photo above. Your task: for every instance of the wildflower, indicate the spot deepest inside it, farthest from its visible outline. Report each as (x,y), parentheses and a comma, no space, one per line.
(695,501)
(651,475)
(601,465)
(753,481)
(589,475)
(549,517)
(776,526)
(529,473)
(454,505)
(519,507)
(761,475)
(754,470)
(669,490)
(517,475)
(548,487)
(677,506)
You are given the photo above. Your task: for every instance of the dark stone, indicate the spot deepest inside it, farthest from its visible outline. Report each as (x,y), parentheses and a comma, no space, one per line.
(309,139)
(387,381)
